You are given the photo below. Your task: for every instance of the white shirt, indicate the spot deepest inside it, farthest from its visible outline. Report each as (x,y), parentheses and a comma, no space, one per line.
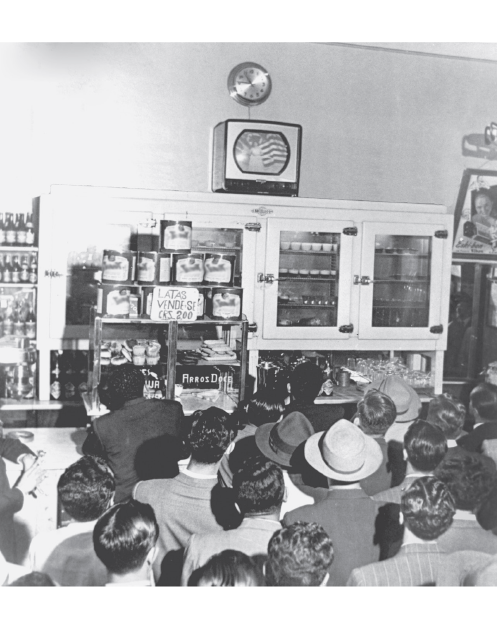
(294,496)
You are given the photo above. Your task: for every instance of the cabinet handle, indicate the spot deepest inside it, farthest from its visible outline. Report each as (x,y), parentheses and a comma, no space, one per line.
(437,329)
(261,278)
(53,273)
(346,329)
(362,281)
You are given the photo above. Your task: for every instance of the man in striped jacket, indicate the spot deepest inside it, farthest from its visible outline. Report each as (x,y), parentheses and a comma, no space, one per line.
(427,509)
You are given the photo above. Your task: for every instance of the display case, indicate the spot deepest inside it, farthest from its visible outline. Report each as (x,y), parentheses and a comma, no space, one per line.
(179,369)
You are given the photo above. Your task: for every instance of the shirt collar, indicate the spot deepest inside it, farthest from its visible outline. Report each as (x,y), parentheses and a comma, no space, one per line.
(416,546)
(451,443)
(464,515)
(133,583)
(198,476)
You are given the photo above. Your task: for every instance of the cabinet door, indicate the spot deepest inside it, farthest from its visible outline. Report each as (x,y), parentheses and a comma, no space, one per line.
(310,262)
(402,267)
(79,235)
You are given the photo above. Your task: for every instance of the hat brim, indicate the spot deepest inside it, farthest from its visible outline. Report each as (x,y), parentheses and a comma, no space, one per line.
(262,442)
(412,411)
(374,458)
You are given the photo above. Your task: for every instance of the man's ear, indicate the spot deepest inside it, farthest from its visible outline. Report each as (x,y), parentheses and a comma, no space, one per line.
(401,517)
(404,453)
(357,420)
(152,555)
(325,580)
(285,495)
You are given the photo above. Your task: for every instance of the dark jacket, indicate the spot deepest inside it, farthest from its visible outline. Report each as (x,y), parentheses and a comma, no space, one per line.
(474,440)
(11,499)
(141,441)
(321,416)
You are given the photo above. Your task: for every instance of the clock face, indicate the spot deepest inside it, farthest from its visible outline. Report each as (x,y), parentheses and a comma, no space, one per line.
(249,84)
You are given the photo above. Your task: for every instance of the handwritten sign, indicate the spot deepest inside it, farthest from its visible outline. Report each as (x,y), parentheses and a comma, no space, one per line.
(174,304)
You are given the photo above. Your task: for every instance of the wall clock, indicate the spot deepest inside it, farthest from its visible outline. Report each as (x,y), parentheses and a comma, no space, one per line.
(249,84)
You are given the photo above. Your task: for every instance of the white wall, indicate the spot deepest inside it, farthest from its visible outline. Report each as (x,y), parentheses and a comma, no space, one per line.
(377,125)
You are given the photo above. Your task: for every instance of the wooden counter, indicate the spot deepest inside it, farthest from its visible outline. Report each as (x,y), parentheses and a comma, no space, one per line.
(62,447)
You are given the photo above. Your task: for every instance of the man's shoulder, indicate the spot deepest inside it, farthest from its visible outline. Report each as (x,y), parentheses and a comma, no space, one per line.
(149,489)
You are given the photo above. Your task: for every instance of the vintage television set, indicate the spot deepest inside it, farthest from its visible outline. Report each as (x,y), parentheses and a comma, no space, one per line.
(256,157)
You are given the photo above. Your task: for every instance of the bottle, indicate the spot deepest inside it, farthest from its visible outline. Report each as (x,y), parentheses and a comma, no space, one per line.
(18,322)
(1,268)
(10,231)
(22,232)
(7,270)
(30,231)
(16,270)
(55,386)
(24,269)
(2,230)
(8,323)
(33,270)
(1,429)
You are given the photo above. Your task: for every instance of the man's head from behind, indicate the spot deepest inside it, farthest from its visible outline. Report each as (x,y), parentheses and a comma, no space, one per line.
(264,407)
(259,487)
(125,537)
(210,435)
(427,508)
(299,555)
(448,415)
(124,384)
(469,478)
(376,412)
(483,402)
(305,382)
(86,488)
(425,445)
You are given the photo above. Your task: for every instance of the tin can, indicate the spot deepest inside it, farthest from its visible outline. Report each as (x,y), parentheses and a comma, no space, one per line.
(164,269)
(219,269)
(147,296)
(175,236)
(188,268)
(147,267)
(225,304)
(118,267)
(115,300)
(202,301)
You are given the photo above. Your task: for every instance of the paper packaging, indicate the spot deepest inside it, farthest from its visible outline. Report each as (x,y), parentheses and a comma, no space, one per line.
(176,236)
(118,267)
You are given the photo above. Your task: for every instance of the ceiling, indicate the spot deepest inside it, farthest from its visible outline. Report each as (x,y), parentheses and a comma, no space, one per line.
(468,50)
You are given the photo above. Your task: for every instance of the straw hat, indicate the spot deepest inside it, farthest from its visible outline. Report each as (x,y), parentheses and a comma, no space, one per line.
(278,441)
(405,398)
(344,452)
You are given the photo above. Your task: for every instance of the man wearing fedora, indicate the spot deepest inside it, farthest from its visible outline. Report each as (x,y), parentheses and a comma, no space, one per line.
(258,491)
(427,509)
(345,455)
(283,442)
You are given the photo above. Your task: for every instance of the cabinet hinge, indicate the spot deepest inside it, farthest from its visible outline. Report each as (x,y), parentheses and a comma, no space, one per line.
(443,234)
(437,329)
(346,329)
(262,211)
(253,226)
(352,231)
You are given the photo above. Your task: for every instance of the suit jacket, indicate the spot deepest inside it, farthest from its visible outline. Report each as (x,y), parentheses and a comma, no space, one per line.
(11,499)
(251,538)
(321,416)
(467,534)
(381,479)
(141,441)
(454,567)
(394,495)
(474,440)
(416,564)
(183,507)
(349,516)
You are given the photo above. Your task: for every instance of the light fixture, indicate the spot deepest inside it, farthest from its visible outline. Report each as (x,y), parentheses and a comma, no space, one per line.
(491,133)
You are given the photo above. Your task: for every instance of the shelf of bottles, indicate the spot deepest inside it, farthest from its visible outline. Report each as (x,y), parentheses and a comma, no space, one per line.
(68,375)
(308,279)
(401,286)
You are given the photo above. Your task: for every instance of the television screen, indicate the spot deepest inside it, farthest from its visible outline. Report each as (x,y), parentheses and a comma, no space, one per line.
(261,153)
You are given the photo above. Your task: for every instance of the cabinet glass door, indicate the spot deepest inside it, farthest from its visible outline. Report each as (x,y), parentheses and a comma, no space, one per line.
(400,281)
(304,288)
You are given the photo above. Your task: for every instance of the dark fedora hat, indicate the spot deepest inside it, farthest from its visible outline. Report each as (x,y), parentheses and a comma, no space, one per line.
(278,441)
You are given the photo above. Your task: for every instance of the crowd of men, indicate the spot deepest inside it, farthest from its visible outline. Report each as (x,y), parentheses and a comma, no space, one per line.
(278,494)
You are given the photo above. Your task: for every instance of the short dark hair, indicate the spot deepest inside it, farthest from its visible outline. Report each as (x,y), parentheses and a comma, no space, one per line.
(124,535)
(425,445)
(125,383)
(428,508)
(377,412)
(230,568)
(264,407)
(33,579)
(305,382)
(259,487)
(447,414)
(210,435)
(484,400)
(469,478)
(299,555)
(86,488)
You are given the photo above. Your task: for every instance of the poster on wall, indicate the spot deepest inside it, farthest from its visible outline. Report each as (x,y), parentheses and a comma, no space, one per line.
(476,216)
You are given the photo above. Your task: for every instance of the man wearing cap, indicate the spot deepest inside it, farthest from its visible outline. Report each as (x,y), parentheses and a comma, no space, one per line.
(282,442)
(427,509)
(345,455)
